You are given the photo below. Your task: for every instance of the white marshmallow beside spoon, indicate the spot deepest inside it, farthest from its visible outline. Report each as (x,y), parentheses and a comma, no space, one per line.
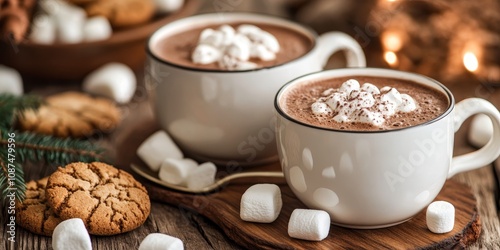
(152,176)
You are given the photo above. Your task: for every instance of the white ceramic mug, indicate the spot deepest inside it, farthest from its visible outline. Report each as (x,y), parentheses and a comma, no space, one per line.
(228,115)
(372,179)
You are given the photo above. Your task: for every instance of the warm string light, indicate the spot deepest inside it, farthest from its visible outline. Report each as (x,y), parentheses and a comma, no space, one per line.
(470,61)
(391,58)
(392,42)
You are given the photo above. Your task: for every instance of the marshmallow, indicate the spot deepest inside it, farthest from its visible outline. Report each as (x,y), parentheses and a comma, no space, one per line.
(261,203)
(175,171)
(238,50)
(261,52)
(96,28)
(71,234)
(167,6)
(10,81)
(365,104)
(407,103)
(205,54)
(159,241)
(43,30)
(349,86)
(214,39)
(309,224)
(202,176)
(248,29)
(440,217)
(269,41)
(370,88)
(480,131)
(233,49)
(228,34)
(319,108)
(69,23)
(113,80)
(156,148)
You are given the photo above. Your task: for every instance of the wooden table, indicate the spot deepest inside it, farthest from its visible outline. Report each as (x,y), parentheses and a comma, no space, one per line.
(199,233)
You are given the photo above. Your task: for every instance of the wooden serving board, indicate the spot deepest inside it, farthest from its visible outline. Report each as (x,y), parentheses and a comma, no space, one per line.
(223,209)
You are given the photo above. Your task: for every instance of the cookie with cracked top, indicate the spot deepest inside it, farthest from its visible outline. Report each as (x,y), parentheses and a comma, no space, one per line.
(33,213)
(108,200)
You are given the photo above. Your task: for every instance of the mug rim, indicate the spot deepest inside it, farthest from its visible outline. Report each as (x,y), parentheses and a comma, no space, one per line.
(372,72)
(314,35)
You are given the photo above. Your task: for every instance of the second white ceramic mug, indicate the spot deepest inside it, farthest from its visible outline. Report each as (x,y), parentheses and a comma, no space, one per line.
(226,116)
(372,179)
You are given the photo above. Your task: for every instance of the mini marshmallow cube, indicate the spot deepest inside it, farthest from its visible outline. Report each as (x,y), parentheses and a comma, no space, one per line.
(167,6)
(176,171)
(43,30)
(480,131)
(440,217)
(309,224)
(10,81)
(159,241)
(113,80)
(71,234)
(96,28)
(69,23)
(156,148)
(202,176)
(261,203)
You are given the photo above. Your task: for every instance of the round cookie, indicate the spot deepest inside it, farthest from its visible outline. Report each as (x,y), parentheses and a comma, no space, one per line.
(108,200)
(123,13)
(71,114)
(33,213)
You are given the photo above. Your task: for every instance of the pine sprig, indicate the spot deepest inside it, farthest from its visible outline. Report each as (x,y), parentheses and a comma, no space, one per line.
(31,147)
(10,104)
(12,178)
(59,151)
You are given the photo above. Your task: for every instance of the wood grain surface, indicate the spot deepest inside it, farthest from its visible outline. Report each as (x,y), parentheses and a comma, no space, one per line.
(223,208)
(198,232)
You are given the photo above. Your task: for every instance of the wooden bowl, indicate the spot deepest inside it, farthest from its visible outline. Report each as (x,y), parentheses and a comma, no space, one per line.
(75,61)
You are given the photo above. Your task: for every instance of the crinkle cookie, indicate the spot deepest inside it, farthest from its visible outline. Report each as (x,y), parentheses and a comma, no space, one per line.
(33,213)
(108,200)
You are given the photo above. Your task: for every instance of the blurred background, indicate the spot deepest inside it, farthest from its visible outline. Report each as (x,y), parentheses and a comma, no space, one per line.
(449,41)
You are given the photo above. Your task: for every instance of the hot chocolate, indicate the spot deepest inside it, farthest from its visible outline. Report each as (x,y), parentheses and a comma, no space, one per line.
(178,48)
(362,103)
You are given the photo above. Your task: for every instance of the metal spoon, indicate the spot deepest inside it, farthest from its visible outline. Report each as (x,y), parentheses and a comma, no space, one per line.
(218,184)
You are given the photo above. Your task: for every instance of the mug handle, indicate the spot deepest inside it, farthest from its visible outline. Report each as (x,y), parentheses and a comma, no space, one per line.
(331,42)
(487,153)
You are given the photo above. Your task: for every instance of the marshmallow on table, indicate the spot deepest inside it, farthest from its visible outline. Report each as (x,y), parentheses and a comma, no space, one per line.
(480,131)
(156,148)
(176,171)
(71,234)
(43,30)
(202,176)
(10,81)
(309,224)
(261,203)
(167,6)
(440,217)
(113,80)
(159,241)
(96,28)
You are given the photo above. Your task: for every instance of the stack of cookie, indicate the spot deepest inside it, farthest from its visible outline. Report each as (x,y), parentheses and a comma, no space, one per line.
(108,200)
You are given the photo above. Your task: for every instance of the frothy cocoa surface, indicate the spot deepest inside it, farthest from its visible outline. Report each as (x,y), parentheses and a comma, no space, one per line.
(297,101)
(177,49)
